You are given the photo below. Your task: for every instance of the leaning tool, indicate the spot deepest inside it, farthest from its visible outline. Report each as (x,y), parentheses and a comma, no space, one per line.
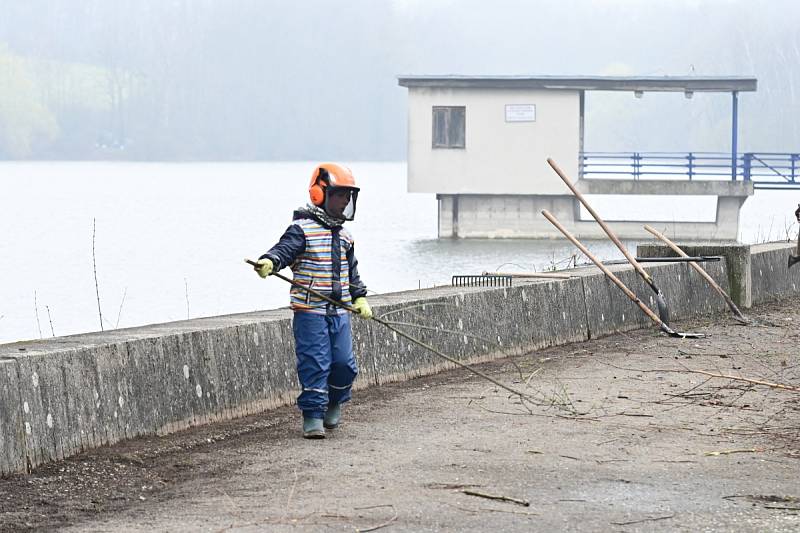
(795,258)
(629,293)
(732,306)
(661,302)
(403,334)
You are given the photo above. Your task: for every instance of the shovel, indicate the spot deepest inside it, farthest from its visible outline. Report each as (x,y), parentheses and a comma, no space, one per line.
(661,303)
(732,306)
(610,275)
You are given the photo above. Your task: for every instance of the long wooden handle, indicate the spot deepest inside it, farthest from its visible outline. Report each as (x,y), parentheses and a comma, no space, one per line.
(663,238)
(318,294)
(629,293)
(599,220)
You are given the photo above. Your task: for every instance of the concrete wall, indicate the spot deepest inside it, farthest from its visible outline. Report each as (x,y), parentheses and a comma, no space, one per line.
(500,157)
(61,396)
(771,277)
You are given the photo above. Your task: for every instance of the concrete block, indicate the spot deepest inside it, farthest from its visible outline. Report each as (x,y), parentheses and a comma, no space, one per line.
(83,428)
(42,393)
(608,310)
(275,349)
(772,279)
(150,392)
(12,424)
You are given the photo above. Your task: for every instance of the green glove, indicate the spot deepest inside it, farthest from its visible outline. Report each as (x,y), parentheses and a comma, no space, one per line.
(264,267)
(361,305)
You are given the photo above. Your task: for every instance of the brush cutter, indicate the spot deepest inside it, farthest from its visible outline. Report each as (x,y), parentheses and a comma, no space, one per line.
(629,293)
(386,324)
(661,303)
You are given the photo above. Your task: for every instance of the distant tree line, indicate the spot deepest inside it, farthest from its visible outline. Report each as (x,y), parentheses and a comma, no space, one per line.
(276,80)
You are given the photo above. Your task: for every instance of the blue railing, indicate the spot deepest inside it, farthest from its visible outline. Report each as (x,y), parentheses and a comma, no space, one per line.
(765,170)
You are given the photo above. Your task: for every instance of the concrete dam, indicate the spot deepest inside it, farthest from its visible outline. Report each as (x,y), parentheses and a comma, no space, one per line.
(61,396)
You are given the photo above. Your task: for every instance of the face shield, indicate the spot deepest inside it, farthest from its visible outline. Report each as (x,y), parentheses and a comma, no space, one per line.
(340,202)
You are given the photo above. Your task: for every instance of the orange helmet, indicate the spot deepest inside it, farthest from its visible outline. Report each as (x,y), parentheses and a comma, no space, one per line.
(328,178)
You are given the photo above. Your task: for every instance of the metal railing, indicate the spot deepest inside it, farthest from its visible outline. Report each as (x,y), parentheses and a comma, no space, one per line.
(765,170)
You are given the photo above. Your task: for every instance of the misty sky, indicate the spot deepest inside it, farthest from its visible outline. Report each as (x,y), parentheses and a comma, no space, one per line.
(276,80)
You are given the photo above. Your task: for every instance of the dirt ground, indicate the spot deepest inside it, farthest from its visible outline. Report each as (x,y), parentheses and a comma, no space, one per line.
(618,434)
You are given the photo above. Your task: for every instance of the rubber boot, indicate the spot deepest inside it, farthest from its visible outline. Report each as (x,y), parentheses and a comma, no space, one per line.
(313,428)
(332,416)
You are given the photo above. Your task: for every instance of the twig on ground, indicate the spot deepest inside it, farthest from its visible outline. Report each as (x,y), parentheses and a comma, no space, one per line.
(372,507)
(782,508)
(698,354)
(728,452)
(236,511)
(769,384)
(501,498)
(291,495)
(653,519)
(381,525)
(687,370)
(450,486)
(509,511)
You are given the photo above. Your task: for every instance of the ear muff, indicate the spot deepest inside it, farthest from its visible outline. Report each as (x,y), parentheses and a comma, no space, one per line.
(316,192)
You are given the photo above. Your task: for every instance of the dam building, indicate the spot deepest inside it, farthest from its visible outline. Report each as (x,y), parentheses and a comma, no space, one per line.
(481,144)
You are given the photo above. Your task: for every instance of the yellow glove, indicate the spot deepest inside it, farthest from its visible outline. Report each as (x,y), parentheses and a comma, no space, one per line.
(361,305)
(264,267)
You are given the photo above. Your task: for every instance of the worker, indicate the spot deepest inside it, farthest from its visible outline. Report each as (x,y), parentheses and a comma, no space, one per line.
(321,254)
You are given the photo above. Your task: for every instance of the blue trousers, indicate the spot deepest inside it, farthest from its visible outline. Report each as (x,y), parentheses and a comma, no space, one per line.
(326,366)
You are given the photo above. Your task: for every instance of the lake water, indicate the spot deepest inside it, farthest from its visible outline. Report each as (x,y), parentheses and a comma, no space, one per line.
(170,239)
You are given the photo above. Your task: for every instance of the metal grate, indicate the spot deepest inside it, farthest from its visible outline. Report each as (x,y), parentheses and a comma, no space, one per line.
(481,281)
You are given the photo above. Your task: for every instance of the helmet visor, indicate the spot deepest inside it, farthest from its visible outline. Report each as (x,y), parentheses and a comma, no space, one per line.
(340,202)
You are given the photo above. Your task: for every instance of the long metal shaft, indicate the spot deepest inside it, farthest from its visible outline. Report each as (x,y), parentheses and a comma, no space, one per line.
(399,332)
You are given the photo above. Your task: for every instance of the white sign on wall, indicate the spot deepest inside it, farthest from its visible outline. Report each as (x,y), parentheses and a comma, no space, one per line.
(520,112)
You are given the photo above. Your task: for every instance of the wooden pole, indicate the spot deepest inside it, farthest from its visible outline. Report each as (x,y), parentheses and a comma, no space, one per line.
(732,306)
(629,293)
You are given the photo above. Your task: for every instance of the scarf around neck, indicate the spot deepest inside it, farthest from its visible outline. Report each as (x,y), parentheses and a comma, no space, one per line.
(320,214)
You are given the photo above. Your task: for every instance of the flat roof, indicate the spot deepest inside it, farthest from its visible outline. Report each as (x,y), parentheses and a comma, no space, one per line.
(587,83)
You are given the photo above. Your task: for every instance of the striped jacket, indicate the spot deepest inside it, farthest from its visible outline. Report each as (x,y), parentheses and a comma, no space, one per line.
(322,258)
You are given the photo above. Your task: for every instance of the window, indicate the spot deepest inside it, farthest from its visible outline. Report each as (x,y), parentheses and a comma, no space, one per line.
(449,126)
